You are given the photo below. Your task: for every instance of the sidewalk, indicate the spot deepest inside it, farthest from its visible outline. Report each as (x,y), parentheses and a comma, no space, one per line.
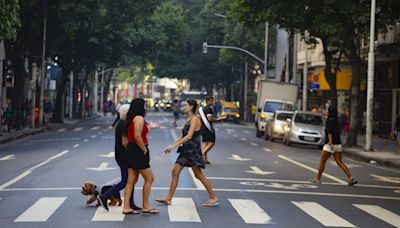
(13,135)
(385,151)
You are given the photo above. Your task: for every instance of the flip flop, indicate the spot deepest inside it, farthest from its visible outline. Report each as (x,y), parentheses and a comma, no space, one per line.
(210,204)
(163,201)
(133,212)
(352,182)
(315,181)
(152,211)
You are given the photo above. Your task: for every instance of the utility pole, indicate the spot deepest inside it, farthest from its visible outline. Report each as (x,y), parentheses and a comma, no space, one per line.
(305,73)
(295,79)
(43,72)
(370,84)
(96,91)
(266,51)
(102,91)
(2,58)
(246,66)
(33,84)
(71,93)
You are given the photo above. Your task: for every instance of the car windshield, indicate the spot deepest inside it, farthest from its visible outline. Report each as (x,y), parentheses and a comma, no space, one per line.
(273,106)
(230,110)
(308,119)
(284,116)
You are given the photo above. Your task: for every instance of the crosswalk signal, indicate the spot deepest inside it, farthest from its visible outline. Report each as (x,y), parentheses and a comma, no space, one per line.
(205,47)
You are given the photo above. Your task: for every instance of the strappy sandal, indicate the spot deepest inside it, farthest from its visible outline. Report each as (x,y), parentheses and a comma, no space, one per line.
(211,203)
(315,181)
(152,211)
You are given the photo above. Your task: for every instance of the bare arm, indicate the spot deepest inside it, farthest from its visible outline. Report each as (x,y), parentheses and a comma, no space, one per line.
(139,124)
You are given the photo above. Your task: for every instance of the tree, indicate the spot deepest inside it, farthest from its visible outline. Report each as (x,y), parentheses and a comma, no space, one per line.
(9,19)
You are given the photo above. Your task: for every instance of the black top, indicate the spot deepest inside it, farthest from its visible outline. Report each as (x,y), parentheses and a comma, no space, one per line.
(120,130)
(208,111)
(332,127)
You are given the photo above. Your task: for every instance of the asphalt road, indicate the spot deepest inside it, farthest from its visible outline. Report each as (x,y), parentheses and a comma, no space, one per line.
(257,182)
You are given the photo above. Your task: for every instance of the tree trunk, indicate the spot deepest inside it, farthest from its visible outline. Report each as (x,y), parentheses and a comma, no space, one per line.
(356,64)
(58,113)
(329,75)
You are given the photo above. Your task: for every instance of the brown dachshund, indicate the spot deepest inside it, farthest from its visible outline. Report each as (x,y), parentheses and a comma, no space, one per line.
(89,188)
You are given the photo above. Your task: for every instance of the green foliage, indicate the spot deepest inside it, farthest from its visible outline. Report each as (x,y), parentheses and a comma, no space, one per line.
(9,18)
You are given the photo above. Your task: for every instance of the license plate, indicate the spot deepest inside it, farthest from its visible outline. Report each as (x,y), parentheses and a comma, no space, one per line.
(310,139)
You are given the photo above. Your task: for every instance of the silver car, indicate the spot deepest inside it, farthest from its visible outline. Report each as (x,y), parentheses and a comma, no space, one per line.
(305,128)
(275,128)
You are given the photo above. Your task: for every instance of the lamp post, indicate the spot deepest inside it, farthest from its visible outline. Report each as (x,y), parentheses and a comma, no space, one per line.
(370,84)
(43,71)
(305,74)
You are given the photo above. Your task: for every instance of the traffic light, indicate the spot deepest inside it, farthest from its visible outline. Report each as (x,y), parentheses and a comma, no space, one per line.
(205,47)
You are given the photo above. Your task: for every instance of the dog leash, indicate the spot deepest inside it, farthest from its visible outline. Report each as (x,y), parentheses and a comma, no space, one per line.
(157,156)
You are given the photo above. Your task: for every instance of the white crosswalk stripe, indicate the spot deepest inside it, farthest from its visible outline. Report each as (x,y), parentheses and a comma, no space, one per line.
(322,214)
(41,210)
(114,214)
(250,211)
(95,128)
(78,129)
(61,130)
(183,210)
(381,213)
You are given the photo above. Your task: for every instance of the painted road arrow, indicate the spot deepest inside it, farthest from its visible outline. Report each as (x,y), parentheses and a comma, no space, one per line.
(256,170)
(8,157)
(109,155)
(102,167)
(238,158)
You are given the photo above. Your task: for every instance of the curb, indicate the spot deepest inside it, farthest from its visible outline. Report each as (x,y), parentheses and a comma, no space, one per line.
(353,153)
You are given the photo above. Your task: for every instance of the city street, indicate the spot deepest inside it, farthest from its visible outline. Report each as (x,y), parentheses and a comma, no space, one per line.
(257,182)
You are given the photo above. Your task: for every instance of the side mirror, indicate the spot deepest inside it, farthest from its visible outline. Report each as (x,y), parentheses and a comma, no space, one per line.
(259,110)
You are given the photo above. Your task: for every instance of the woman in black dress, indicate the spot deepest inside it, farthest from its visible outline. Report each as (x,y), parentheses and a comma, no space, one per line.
(333,145)
(190,155)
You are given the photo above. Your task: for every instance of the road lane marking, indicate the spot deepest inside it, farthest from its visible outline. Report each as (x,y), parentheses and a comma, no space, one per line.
(102,167)
(395,180)
(243,139)
(256,170)
(61,130)
(78,129)
(95,128)
(312,169)
(246,132)
(238,158)
(254,144)
(235,136)
(109,155)
(322,214)
(30,170)
(76,146)
(8,157)
(268,150)
(114,214)
(41,210)
(183,210)
(93,136)
(250,211)
(196,181)
(86,140)
(380,213)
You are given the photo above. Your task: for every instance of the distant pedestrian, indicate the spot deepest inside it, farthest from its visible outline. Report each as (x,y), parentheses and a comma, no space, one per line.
(207,126)
(137,157)
(121,142)
(189,155)
(175,110)
(333,146)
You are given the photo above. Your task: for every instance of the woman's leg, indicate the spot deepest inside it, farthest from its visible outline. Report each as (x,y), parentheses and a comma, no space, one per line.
(340,163)
(324,157)
(176,171)
(199,175)
(148,181)
(132,179)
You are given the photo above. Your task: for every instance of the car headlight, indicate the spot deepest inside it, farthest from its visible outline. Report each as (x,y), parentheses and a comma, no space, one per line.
(238,115)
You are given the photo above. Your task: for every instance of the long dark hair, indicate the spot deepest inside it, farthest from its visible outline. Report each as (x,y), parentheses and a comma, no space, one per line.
(136,109)
(193,103)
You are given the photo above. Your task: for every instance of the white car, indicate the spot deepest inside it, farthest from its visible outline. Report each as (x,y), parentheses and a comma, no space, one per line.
(275,128)
(305,128)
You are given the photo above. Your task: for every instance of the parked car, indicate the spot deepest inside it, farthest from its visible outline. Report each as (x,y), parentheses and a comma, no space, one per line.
(230,111)
(275,128)
(305,128)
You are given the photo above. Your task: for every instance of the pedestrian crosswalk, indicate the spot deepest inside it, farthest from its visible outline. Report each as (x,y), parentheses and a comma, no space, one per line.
(248,210)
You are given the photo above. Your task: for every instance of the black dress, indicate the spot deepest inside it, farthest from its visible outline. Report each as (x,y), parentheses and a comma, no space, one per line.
(190,154)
